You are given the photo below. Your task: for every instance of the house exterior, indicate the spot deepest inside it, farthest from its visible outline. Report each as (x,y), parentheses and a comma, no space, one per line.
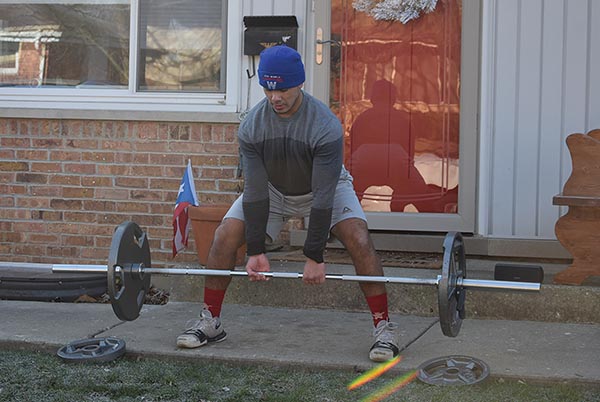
(103,103)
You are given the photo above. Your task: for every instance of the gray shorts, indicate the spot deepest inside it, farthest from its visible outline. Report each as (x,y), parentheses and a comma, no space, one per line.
(281,207)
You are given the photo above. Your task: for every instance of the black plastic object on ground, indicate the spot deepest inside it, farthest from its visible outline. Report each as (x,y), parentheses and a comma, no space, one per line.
(36,282)
(453,370)
(92,350)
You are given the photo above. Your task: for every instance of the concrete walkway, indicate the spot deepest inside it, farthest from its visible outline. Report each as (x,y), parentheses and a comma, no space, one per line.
(313,338)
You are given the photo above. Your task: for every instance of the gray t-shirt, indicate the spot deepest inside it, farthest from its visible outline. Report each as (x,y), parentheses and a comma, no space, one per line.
(297,155)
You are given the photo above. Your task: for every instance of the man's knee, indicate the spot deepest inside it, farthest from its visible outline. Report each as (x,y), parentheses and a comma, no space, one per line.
(229,236)
(353,232)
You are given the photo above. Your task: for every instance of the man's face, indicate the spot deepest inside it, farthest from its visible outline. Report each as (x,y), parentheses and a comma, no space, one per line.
(285,102)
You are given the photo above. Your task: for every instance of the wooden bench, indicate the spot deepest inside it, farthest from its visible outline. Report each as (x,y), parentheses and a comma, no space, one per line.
(579,229)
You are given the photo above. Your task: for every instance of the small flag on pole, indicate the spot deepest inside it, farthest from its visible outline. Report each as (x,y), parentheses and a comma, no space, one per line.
(181,220)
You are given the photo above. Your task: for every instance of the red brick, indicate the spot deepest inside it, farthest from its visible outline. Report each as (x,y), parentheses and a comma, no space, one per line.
(73,156)
(14,166)
(167,159)
(82,144)
(45,191)
(99,157)
(32,202)
(7,202)
(146,130)
(32,178)
(46,215)
(32,154)
(61,251)
(60,204)
(12,189)
(7,153)
(131,207)
(222,149)
(112,170)
(65,228)
(14,214)
(147,195)
(28,249)
(73,128)
(11,142)
(68,180)
(85,217)
(83,168)
(94,253)
(111,194)
(230,134)
(149,220)
(11,237)
(86,241)
(165,184)
(206,185)
(99,205)
(24,126)
(120,145)
(51,127)
(149,171)
(47,143)
(135,182)
(218,173)
(48,167)
(112,219)
(103,241)
(154,146)
(187,148)
(92,129)
(43,238)
(96,181)
(77,192)
(231,186)
(161,208)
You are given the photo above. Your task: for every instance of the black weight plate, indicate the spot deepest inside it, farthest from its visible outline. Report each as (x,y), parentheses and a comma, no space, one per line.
(92,350)
(128,286)
(453,370)
(451,297)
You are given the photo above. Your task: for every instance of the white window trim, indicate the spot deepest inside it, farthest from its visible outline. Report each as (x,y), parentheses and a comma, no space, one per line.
(128,100)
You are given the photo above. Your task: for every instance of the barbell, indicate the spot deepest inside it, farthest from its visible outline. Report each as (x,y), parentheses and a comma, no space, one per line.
(129,271)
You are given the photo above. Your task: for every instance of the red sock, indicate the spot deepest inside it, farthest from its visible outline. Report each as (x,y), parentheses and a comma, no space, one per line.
(379,308)
(213,298)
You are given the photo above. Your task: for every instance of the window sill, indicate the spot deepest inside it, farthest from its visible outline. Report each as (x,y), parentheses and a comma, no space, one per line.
(224,116)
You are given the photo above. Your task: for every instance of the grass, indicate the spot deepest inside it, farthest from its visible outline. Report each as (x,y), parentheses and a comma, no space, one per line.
(40,376)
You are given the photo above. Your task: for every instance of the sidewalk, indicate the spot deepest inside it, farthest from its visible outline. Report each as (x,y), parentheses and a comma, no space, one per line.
(313,338)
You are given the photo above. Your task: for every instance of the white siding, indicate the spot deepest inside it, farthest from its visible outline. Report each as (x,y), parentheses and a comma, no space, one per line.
(539,84)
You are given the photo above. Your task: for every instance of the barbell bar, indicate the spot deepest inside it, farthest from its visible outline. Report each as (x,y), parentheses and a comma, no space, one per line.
(129,271)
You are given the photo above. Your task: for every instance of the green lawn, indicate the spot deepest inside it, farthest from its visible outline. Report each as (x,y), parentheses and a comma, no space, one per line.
(39,376)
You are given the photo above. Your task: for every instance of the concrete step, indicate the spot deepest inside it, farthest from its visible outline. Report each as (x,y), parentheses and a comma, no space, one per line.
(554,303)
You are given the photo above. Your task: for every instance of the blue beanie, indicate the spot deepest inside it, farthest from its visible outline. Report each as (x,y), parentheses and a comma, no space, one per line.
(280,67)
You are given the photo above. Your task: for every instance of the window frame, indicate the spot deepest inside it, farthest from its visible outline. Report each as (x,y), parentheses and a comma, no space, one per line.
(99,99)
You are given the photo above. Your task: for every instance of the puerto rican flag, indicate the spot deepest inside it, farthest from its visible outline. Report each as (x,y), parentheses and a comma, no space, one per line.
(181,220)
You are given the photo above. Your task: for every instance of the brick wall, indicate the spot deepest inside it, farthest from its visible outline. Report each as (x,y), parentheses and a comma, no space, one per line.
(66,184)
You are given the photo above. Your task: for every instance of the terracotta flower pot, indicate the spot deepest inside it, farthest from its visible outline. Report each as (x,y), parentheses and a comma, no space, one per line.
(205,220)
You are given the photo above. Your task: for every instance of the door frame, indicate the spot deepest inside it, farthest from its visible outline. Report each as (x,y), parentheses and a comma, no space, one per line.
(319,16)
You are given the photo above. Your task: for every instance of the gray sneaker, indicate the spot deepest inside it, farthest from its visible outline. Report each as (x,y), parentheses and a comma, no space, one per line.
(200,332)
(386,345)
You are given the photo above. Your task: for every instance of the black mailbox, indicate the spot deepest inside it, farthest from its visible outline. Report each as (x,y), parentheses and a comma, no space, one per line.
(266,31)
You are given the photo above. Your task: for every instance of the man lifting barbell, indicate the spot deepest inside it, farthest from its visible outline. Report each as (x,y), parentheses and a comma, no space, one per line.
(292,152)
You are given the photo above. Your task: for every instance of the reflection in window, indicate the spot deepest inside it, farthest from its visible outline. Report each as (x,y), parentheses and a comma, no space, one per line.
(182,45)
(396,89)
(66,45)
(8,56)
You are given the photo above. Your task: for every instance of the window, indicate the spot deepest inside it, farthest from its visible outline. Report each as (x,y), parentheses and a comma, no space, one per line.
(137,54)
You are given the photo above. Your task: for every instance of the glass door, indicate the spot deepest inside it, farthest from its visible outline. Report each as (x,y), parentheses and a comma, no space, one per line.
(396,88)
